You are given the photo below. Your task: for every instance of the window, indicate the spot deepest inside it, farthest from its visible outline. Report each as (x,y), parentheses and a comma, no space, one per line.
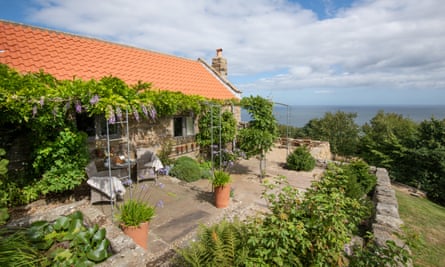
(183,126)
(96,125)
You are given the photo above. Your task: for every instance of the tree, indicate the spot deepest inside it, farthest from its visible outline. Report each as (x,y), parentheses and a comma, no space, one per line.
(385,140)
(425,163)
(339,129)
(260,134)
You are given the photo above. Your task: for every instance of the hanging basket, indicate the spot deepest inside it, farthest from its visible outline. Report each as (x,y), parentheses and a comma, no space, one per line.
(139,233)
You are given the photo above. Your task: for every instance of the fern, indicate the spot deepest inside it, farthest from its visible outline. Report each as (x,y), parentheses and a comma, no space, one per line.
(218,245)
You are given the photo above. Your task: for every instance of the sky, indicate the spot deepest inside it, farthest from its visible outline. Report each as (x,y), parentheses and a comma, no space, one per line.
(300,52)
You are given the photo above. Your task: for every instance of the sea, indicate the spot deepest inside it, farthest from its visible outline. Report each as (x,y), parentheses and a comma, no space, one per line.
(299,116)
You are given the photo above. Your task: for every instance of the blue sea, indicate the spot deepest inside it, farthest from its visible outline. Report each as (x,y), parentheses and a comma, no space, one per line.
(300,115)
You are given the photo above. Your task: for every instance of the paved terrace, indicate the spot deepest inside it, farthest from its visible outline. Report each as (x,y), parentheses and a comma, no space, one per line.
(187,205)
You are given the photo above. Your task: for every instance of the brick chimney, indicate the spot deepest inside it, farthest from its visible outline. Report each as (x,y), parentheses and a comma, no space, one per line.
(219,63)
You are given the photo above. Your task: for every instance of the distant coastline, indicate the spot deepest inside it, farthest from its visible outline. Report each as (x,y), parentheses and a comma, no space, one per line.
(300,115)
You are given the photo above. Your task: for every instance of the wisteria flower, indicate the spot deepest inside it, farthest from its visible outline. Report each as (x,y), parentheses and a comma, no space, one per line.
(94,99)
(67,105)
(136,114)
(34,111)
(119,113)
(144,110)
(112,117)
(42,101)
(78,107)
(153,113)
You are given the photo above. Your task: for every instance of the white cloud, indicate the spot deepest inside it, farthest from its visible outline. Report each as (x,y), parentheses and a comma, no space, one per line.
(374,43)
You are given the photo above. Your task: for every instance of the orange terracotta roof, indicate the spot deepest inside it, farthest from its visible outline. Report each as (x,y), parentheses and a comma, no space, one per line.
(65,56)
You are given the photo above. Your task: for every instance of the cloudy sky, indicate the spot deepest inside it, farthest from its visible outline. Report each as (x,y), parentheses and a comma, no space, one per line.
(301,52)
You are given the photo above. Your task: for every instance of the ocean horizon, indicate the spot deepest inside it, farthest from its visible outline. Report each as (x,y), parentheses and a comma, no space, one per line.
(300,115)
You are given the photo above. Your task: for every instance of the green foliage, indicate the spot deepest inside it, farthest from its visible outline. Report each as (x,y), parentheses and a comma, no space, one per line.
(425,162)
(16,250)
(166,150)
(413,153)
(46,108)
(221,244)
(385,140)
(221,178)
(61,162)
(300,160)
(373,255)
(216,115)
(298,230)
(206,169)
(225,159)
(292,131)
(3,164)
(134,212)
(64,242)
(309,230)
(259,136)
(187,169)
(3,195)
(339,129)
(360,180)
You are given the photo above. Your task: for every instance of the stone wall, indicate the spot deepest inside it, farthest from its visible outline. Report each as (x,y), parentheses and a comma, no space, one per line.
(320,150)
(387,222)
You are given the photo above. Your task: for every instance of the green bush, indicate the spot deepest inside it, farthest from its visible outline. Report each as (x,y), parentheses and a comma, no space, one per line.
(186,169)
(360,180)
(300,160)
(299,230)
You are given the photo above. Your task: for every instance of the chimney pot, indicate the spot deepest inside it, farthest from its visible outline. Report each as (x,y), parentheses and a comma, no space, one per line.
(219,52)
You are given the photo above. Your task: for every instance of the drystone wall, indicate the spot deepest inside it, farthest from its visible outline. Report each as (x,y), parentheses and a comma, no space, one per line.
(387,222)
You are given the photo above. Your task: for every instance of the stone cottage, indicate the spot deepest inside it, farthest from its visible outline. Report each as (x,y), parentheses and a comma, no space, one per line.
(65,56)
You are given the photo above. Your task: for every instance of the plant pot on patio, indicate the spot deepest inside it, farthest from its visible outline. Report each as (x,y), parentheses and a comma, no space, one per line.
(139,233)
(221,183)
(134,217)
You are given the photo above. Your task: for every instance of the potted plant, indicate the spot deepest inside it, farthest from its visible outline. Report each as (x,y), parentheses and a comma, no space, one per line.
(134,217)
(221,184)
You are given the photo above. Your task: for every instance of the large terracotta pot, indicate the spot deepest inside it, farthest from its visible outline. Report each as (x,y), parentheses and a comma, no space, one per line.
(139,234)
(222,196)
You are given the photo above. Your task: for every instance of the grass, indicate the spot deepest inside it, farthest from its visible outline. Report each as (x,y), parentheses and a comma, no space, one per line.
(426,220)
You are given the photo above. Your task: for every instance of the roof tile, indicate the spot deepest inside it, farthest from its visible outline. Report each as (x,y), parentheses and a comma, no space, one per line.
(65,55)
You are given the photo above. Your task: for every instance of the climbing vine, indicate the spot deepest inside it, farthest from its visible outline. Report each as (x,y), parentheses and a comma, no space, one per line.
(39,107)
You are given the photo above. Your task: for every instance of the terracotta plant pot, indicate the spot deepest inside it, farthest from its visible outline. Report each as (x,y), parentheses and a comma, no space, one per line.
(222,196)
(139,234)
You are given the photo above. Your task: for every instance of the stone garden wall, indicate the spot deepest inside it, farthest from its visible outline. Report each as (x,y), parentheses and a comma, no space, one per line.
(387,222)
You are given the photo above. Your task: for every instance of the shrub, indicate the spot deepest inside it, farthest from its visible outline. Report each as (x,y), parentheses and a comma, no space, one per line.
(309,230)
(360,180)
(300,160)
(187,169)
